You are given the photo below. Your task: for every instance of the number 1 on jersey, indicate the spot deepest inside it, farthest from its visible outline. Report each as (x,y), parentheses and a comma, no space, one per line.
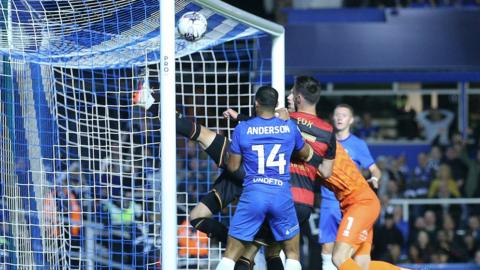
(271,162)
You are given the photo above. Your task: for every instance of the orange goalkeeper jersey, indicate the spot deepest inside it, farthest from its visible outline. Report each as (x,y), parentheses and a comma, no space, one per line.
(346,178)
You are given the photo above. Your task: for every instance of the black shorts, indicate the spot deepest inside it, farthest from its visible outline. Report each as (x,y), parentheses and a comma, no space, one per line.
(225,190)
(265,236)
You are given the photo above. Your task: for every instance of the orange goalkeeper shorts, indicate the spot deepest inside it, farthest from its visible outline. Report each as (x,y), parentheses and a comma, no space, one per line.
(360,211)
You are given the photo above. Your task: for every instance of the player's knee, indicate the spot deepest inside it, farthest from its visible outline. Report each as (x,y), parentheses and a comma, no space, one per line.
(292,252)
(363,261)
(327,248)
(341,253)
(338,259)
(200,211)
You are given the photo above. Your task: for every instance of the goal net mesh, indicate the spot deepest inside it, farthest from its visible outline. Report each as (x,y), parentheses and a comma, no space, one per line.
(80,163)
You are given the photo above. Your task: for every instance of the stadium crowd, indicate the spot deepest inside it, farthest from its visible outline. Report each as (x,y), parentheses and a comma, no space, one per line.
(439,233)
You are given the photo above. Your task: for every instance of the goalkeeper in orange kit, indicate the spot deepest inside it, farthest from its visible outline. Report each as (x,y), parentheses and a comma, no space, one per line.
(360,209)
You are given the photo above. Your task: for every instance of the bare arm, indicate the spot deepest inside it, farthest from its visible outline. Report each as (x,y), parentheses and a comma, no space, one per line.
(323,165)
(376,175)
(234,162)
(325,169)
(305,154)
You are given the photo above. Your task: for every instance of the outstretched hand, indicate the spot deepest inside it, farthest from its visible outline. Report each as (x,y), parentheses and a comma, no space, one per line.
(282,113)
(230,114)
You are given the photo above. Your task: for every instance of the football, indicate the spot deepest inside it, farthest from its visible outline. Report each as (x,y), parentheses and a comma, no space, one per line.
(192,26)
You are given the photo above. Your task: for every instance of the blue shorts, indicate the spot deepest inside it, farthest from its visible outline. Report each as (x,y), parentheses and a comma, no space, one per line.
(330,217)
(275,205)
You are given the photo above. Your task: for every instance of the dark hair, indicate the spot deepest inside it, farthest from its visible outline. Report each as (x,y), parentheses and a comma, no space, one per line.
(267,96)
(344,105)
(308,87)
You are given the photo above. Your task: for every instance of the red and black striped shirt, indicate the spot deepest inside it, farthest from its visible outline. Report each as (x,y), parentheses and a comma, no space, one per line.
(320,136)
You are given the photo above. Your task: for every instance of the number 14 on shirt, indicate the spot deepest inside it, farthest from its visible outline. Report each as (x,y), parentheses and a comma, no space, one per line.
(271,162)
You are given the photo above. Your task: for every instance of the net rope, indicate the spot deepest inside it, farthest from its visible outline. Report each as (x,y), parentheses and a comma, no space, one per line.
(80,163)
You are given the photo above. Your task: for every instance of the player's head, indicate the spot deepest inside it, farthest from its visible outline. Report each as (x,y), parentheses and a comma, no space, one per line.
(343,117)
(305,92)
(266,99)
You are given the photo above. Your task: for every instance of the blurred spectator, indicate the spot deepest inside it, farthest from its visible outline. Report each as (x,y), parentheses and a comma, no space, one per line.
(406,124)
(457,167)
(382,164)
(474,228)
(123,230)
(367,129)
(430,223)
(449,242)
(398,173)
(418,225)
(123,211)
(476,259)
(191,242)
(414,255)
(471,187)
(388,240)
(471,246)
(444,186)
(439,256)
(424,247)
(434,159)
(435,124)
(400,223)
(403,166)
(417,186)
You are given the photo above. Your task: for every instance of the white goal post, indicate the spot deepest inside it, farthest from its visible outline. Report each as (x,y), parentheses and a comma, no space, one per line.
(89,179)
(169,191)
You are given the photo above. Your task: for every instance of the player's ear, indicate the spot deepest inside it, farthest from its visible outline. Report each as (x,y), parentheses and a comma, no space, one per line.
(297,99)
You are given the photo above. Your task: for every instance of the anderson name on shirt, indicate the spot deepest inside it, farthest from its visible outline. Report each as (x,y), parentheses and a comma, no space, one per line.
(268,130)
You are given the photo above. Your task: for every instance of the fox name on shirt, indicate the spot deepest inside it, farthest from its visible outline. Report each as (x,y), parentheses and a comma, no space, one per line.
(266,130)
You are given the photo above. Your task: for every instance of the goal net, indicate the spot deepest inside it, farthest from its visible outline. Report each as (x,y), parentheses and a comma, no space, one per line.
(80,182)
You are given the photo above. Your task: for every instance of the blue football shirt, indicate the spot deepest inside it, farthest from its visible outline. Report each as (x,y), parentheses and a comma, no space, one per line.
(358,151)
(266,146)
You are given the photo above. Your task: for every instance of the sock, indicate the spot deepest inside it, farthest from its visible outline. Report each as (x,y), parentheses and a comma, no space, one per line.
(188,128)
(349,265)
(243,264)
(274,263)
(327,263)
(212,228)
(226,264)
(292,265)
(379,265)
(218,149)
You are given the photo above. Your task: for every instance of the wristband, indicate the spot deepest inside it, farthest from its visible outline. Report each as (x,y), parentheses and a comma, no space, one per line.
(315,161)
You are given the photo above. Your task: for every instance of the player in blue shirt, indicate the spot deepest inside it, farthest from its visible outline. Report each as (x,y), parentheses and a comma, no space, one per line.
(265,145)
(330,214)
